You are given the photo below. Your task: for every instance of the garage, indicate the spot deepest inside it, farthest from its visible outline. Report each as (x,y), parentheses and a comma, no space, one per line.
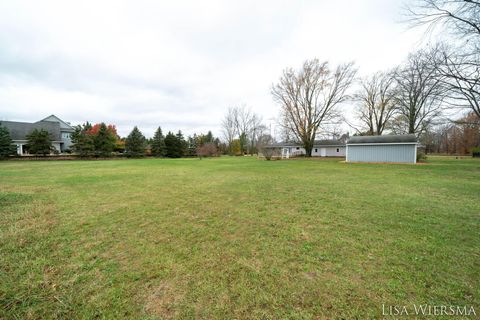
(383,149)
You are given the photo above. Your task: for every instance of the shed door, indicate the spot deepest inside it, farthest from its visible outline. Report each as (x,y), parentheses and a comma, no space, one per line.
(323,152)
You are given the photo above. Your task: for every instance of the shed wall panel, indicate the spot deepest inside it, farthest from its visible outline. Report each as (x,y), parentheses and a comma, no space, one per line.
(401,153)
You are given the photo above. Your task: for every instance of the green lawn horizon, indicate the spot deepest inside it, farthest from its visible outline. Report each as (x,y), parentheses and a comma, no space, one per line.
(236,237)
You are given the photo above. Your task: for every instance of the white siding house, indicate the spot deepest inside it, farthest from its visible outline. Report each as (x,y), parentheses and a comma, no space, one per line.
(321,148)
(388,148)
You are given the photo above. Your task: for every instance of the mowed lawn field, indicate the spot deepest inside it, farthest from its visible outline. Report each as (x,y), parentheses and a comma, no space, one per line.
(236,238)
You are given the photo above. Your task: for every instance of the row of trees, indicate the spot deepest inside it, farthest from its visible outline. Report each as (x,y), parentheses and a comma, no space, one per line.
(458,137)
(242,129)
(417,97)
(102,140)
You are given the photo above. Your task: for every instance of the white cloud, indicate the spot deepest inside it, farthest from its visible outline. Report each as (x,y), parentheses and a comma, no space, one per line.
(178,64)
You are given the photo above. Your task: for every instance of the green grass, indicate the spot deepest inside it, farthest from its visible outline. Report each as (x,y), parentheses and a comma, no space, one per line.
(236,238)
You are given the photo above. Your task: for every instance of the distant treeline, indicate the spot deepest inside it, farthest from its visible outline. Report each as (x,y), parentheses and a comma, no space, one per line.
(101,140)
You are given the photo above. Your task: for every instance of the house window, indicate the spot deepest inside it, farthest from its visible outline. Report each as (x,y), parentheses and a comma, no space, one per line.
(298,148)
(316,150)
(338,150)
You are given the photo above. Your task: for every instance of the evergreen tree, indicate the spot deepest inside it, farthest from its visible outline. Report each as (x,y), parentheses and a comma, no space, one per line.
(39,142)
(209,137)
(135,143)
(173,146)
(83,143)
(192,145)
(104,141)
(6,146)
(158,144)
(243,143)
(183,145)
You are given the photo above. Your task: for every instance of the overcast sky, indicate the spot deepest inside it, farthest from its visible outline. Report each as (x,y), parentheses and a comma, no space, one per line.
(179,64)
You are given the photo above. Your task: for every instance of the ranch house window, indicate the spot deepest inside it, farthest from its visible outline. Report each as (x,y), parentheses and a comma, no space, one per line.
(338,150)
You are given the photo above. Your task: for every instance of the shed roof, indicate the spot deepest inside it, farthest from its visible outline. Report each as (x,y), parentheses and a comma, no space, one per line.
(403,138)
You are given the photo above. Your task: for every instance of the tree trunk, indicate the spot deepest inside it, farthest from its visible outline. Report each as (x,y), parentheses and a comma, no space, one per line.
(308,149)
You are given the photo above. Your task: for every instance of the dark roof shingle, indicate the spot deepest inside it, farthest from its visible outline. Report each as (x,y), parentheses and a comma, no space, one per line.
(20,130)
(317,143)
(383,139)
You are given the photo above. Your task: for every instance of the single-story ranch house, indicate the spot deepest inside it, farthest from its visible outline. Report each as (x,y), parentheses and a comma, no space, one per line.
(388,148)
(59,130)
(321,148)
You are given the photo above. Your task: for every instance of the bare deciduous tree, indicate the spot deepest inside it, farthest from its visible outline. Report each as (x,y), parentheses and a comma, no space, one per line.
(459,67)
(240,122)
(256,131)
(229,126)
(376,100)
(461,76)
(309,97)
(459,17)
(209,149)
(420,92)
(265,146)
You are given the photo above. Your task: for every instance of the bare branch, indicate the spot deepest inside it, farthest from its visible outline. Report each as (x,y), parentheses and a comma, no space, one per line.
(310,97)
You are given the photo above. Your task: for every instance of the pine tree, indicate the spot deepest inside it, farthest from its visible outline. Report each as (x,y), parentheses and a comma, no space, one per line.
(6,146)
(104,141)
(182,144)
(173,146)
(83,143)
(135,143)
(158,144)
(39,142)
(209,137)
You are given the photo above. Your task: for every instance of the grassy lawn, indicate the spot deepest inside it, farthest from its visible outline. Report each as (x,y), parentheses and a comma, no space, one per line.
(236,238)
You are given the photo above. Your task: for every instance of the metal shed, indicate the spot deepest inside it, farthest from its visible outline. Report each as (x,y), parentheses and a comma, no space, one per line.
(389,148)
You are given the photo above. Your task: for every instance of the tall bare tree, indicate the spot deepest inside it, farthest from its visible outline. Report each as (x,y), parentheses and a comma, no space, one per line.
(376,100)
(460,67)
(310,96)
(241,123)
(244,122)
(257,129)
(460,17)
(461,76)
(420,92)
(229,126)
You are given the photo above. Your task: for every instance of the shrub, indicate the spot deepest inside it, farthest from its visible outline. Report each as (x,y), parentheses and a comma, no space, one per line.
(421,156)
(207,150)
(476,152)
(270,153)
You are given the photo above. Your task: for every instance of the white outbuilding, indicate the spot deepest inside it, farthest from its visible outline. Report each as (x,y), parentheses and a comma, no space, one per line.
(388,148)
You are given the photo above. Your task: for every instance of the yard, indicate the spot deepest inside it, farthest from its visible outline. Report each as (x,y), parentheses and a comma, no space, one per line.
(236,238)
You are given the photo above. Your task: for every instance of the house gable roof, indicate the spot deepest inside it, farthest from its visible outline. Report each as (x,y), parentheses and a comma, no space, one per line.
(20,130)
(64,126)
